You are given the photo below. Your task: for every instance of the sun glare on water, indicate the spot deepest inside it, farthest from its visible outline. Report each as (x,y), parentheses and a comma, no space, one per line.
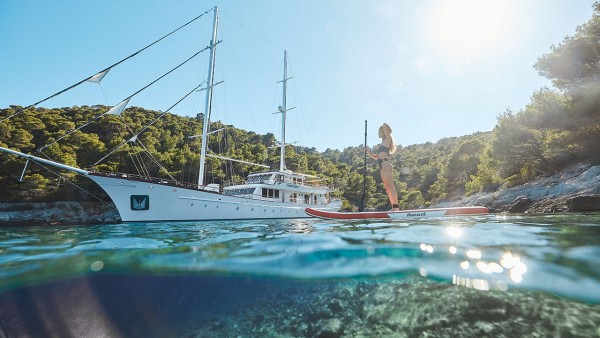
(466,28)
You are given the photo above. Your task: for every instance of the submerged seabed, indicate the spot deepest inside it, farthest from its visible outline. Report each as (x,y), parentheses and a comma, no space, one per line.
(494,276)
(227,306)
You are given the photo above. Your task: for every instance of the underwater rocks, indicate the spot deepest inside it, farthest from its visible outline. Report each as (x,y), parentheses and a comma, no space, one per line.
(54,213)
(413,307)
(114,305)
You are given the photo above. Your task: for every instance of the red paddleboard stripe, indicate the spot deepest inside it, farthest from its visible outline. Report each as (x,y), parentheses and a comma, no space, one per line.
(346,215)
(386,214)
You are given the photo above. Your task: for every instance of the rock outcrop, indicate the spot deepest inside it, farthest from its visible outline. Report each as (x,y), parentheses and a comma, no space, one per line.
(576,189)
(53,213)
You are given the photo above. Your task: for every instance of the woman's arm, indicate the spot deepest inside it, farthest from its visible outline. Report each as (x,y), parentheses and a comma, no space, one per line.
(371,155)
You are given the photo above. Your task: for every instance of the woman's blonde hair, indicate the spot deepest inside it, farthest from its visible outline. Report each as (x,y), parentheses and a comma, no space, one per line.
(387,133)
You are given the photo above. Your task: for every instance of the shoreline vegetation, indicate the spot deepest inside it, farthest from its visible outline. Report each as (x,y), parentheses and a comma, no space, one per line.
(576,189)
(522,165)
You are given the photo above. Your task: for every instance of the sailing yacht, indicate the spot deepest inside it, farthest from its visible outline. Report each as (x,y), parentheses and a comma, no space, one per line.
(279,193)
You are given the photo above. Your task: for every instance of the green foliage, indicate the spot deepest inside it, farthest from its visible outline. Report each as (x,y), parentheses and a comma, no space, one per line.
(557,127)
(575,62)
(462,164)
(487,177)
(560,126)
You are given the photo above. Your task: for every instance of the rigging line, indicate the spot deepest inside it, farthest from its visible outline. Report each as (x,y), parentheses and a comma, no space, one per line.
(241,79)
(169,72)
(16,178)
(127,98)
(143,171)
(142,164)
(251,30)
(110,153)
(71,183)
(148,125)
(105,69)
(103,94)
(155,161)
(39,150)
(306,123)
(224,147)
(166,111)
(131,154)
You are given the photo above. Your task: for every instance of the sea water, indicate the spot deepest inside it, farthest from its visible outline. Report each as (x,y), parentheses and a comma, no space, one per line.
(477,276)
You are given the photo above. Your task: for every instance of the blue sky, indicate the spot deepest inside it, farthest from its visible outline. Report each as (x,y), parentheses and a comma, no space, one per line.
(430,69)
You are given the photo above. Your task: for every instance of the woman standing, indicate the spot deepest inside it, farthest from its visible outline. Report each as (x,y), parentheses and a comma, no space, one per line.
(382,154)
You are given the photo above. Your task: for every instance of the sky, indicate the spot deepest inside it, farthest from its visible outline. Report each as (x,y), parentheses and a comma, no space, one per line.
(430,69)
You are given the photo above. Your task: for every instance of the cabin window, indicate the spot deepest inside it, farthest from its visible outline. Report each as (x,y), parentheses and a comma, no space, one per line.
(258,179)
(270,193)
(307,199)
(293,197)
(236,192)
(314,199)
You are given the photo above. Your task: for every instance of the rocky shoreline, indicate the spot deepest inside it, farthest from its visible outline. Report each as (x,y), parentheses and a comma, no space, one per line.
(58,213)
(575,189)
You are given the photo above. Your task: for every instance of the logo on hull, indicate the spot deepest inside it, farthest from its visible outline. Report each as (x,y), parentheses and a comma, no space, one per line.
(416,214)
(140,202)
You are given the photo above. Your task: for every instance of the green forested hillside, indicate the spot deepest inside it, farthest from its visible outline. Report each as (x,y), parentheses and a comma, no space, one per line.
(560,126)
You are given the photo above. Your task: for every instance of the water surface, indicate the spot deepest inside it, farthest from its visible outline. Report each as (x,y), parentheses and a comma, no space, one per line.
(493,275)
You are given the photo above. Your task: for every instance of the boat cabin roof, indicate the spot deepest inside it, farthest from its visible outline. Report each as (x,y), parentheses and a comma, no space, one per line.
(287,173)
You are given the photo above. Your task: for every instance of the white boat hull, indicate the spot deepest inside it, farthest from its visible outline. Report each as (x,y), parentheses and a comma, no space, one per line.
(139,201)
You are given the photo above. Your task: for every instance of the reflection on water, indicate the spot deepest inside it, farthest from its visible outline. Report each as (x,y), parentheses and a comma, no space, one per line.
(495,274)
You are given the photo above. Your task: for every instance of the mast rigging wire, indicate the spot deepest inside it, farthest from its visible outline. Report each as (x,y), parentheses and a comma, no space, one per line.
(127,98)
(67,181)
(107,68)
(148,125)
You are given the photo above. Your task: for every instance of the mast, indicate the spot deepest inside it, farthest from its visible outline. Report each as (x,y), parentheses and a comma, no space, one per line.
(209,92)
(283,110)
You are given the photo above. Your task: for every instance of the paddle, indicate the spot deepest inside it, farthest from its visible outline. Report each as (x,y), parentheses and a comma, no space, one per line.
(362,200)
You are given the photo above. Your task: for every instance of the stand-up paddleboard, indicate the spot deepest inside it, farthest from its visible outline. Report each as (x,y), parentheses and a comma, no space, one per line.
(417,213)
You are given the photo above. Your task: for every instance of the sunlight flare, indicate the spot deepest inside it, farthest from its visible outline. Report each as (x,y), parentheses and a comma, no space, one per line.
(465,28)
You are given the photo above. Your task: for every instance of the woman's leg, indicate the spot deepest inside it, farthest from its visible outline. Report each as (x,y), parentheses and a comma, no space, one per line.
(388,182)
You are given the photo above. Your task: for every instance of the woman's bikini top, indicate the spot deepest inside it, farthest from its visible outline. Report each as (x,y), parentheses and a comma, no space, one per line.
(381,148)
